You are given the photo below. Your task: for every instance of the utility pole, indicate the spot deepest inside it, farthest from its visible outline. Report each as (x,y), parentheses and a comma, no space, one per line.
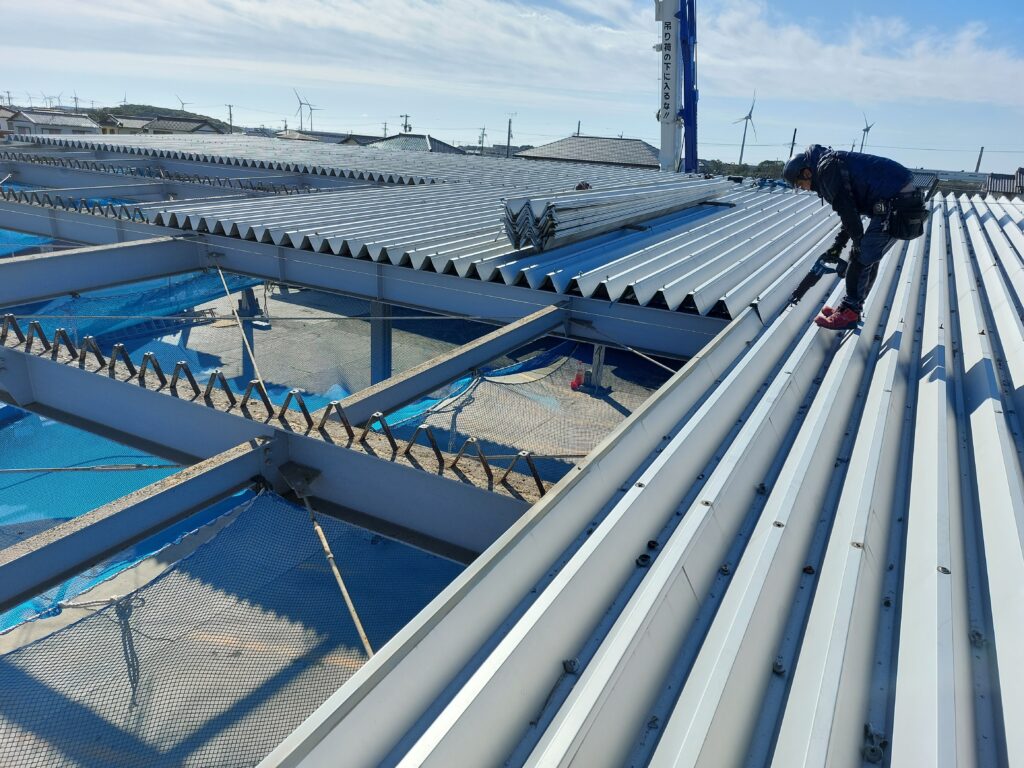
(9,102)
(792,144)
(977,165)
(508,141)
(406,128)
(385,129)
(231,118)
(483,135)
(578,122)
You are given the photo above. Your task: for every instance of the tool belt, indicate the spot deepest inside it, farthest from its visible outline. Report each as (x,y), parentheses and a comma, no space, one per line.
(905,214)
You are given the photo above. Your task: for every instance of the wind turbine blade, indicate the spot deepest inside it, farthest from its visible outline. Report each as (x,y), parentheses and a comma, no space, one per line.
(740,120)
(753,128)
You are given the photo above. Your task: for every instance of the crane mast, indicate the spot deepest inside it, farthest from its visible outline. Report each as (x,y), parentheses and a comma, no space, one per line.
(678,90)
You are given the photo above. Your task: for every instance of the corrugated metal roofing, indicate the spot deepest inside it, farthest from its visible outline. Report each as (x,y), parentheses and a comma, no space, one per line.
(821,562)
(705,260)
(597,149)
(1002,183)
(368,163)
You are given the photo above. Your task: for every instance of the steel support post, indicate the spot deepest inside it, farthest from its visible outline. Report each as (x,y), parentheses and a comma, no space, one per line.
(380,341)
(597,366)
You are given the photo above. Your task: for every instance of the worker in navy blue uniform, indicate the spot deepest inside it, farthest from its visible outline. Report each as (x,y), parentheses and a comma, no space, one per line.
(856,185)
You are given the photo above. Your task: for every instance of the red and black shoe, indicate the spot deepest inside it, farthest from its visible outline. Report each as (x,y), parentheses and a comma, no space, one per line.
(827,311)
(838,320)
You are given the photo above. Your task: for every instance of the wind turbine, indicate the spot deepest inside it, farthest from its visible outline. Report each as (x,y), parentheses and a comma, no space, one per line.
(182,104)
(299,111)
(124,99)
(311,109)
(864,131)
(747,118)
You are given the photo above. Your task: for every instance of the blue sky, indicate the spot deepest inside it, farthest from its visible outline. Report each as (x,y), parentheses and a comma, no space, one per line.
(938,79)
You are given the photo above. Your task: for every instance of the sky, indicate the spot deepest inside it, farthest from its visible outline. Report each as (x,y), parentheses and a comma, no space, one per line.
(937,79)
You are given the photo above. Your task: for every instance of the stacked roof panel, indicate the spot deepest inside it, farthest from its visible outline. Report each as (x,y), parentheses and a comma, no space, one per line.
(551,221)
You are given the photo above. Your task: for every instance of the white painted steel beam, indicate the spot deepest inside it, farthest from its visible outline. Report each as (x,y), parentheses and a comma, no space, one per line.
(428,376)
(24,279)
(445,510)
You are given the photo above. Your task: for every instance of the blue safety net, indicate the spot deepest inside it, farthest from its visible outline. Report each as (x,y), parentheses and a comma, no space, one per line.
(219,658)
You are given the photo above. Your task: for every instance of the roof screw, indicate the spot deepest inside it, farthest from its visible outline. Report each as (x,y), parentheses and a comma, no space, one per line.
(644,560)
(762,489)
(977,638)
(809,569)
(858,545)
(779,666)
(725,570)
(652,544)
(640,485)
(887,602)
(653,723)
(779,524)
(943,569)
(571,666)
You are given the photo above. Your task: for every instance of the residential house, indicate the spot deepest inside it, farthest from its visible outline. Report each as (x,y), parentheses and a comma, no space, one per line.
(51,121)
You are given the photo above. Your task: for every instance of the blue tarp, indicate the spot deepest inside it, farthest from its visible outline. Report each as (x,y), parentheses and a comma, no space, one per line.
(48,603)
(12,242)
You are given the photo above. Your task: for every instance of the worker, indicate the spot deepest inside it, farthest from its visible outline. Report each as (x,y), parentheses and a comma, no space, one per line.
(856,185)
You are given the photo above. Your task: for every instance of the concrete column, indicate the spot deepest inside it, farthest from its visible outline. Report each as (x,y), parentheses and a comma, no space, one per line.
(380,341)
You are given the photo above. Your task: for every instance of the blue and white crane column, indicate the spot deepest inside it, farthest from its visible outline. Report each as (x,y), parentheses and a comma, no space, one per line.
(678,111)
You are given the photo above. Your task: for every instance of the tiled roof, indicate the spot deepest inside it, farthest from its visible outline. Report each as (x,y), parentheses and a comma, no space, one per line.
(133,122)
(417,142)
(597,149)
(171,124)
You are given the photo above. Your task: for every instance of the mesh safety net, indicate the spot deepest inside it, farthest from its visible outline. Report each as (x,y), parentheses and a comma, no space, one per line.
(221,656)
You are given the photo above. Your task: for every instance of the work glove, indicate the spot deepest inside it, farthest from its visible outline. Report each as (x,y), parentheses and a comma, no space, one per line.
(832,254)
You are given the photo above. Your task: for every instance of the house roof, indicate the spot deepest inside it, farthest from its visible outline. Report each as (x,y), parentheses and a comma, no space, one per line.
(55,118)
(597,149)
(417,142)
(179,125)
(131,122)
(295,136)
